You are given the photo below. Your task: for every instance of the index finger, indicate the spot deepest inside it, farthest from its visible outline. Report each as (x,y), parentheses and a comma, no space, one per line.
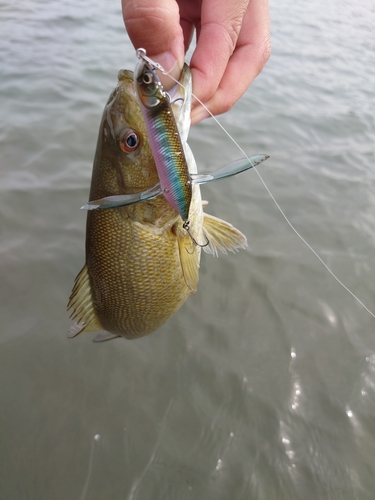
(222,73)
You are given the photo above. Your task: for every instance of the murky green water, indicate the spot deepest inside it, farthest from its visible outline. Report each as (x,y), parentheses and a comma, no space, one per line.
(262,386)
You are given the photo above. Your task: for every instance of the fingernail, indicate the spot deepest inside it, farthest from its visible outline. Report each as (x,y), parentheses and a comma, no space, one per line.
(171,65)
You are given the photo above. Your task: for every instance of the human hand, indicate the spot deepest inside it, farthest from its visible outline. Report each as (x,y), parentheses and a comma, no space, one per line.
(233,44)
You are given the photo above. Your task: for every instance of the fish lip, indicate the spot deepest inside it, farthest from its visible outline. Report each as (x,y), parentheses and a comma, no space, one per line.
(125,74)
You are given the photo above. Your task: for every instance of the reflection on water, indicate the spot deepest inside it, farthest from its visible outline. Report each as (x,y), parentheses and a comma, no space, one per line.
(262,385)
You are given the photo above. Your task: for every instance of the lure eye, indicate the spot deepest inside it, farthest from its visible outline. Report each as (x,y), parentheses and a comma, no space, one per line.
(148,78)
(128,141)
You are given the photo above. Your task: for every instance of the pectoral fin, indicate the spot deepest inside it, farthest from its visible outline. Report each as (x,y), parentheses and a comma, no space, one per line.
(83,308)
(121,200)
(189,260)
(76,329)
(222,236)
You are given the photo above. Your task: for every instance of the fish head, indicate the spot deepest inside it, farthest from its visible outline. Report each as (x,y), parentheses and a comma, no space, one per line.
(123,162)
(149,88)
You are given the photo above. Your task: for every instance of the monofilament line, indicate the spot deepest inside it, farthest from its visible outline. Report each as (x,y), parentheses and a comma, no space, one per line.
(157,66)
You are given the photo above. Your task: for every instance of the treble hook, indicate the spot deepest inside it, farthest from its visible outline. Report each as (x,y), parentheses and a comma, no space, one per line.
(186,226)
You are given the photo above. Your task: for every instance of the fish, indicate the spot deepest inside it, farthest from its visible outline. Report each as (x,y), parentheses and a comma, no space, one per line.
(141,263)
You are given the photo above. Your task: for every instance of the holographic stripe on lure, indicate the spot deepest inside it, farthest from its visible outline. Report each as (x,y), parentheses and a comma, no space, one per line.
(165,141)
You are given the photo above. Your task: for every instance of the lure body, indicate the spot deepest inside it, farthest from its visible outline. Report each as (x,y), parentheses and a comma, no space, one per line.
(164,137)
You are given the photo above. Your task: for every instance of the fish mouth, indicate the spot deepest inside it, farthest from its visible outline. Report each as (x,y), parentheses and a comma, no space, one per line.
(125,74)
(126,81)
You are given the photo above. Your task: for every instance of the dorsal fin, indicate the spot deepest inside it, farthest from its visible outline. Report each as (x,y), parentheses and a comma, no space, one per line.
(83,308)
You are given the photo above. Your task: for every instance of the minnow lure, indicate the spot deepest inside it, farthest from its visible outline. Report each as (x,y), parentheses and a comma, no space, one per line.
(165,141)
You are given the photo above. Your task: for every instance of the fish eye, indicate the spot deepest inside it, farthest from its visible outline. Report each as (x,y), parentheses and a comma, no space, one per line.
(148,78)
(128,140)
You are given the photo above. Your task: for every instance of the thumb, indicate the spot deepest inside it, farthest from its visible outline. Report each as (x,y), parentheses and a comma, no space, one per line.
(154,25)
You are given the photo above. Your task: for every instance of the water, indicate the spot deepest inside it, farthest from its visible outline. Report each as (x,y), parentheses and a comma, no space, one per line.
(262,385)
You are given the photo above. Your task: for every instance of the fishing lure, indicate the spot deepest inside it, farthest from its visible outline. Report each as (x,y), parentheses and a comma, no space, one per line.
(168,151)
(164,137)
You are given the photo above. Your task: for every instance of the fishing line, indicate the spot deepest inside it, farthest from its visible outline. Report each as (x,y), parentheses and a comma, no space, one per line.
(91,463)
(160,68)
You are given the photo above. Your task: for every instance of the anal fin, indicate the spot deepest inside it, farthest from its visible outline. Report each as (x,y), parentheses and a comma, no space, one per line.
(81,303)
(222,236)
(104,336)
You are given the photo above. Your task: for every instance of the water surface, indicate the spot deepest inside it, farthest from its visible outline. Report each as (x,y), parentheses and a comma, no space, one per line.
(262,385)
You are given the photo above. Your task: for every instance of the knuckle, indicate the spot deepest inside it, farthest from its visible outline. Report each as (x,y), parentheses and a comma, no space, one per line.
(222,104)
(148,20)
(144,19)
(233,31)
(226,105)
(228,31)
(267,48)
(264,51)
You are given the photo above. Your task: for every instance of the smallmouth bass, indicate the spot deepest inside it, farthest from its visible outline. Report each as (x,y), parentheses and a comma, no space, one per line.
(141,264)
